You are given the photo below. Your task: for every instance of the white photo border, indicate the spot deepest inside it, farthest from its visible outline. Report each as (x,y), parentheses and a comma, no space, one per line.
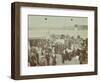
(26,70)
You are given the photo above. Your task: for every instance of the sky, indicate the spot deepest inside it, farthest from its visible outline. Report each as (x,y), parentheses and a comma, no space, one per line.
(43,26)
(55,22)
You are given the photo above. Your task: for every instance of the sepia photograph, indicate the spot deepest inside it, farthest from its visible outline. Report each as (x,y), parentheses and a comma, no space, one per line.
(57,40)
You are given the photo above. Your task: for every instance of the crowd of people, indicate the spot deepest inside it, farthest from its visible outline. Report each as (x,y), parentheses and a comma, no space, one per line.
(57,50)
